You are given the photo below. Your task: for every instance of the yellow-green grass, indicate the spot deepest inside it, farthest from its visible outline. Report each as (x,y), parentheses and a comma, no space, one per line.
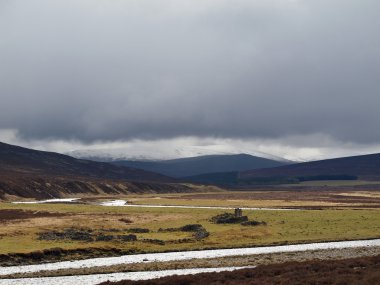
(282,227)
(261,199)
(183,201)
(369,194)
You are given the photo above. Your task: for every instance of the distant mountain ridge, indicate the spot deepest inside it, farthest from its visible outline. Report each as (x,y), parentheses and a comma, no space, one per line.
(346,168)
(190,166)
(153,154)
(365,166)
(39,174)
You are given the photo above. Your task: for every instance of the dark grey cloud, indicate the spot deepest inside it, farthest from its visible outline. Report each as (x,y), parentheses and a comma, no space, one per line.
(109,70)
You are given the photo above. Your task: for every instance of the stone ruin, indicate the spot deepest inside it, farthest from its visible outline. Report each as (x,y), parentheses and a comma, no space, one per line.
(235,218)
(238,213)
(229,218)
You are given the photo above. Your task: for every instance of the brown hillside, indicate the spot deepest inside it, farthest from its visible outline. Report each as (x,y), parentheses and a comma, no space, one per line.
(39,174)
(365,166)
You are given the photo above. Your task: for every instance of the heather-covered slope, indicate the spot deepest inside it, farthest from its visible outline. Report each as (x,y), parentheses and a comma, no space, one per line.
(364,166)
(37,174)
(19,160)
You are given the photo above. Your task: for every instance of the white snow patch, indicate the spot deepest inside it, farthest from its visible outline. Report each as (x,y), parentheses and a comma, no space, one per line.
(119,203)
(98,278)
(185,255)
(64,200)
(116,203)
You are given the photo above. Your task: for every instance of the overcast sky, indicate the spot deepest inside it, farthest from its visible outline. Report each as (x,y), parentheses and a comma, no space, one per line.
(294,78)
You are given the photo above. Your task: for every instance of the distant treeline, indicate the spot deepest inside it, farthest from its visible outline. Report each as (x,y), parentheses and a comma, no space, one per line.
(291,180)
(232,178)
(220,178)
(327,177)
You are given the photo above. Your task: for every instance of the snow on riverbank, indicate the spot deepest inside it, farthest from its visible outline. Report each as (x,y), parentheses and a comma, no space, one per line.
(185,255)
(64,200)
(98,278)
(206,207)
(116,203)
(123,203)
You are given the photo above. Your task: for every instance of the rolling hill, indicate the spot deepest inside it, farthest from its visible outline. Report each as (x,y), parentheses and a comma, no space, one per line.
(39,174)
(183,167)
(21,160)
(365,167)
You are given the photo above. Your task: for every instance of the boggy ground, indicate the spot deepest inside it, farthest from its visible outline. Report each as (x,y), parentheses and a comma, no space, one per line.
(363,271)
(21,225)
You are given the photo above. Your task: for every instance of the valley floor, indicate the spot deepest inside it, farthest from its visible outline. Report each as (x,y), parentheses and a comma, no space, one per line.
(31,233)
(76,229)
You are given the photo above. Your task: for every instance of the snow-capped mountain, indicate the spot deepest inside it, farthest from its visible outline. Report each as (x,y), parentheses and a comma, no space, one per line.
(113,154)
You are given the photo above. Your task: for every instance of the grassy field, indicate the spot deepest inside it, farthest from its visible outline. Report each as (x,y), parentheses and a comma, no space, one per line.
(21,235)
(265,198)
(214,202)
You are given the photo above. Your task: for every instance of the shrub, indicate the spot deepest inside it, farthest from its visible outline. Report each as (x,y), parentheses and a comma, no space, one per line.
(37,255)
(253,223)
(138,230)
(128,237)
(191,228)
(56,251)
(71,234)
(102,237)
(201,234)
(228,218)
(154,241)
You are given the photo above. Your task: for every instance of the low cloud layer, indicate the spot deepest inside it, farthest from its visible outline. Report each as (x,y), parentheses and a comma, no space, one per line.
(100,70)
(296,148)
